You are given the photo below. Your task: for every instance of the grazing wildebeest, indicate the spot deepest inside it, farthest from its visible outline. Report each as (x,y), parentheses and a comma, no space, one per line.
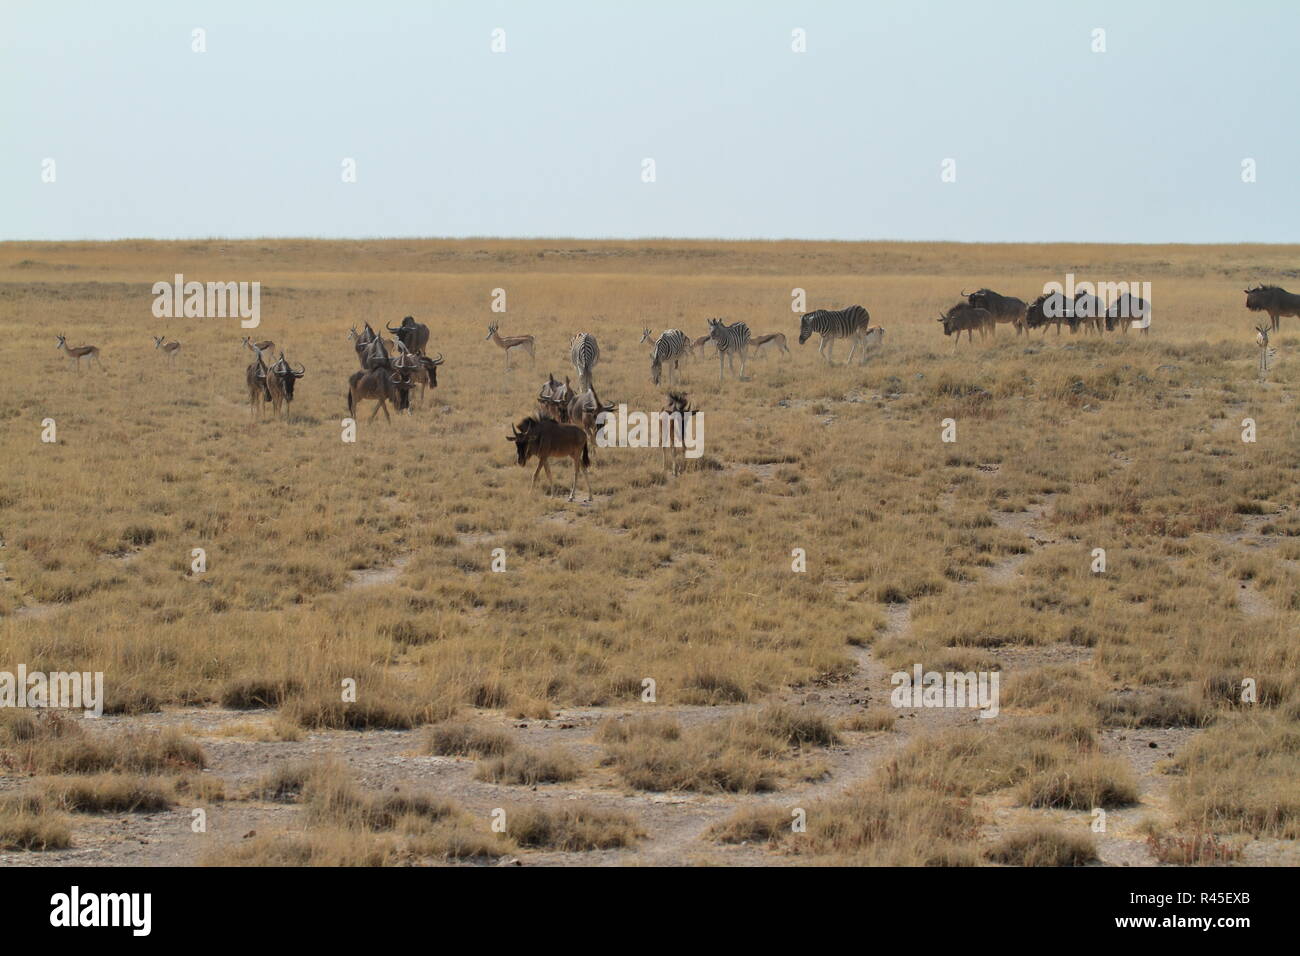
(381,385)
(1048,308)
(1126,310)
(964,317)
(832,325)
(1087,311)
(544,439)
(412,334)
(1003,308)
(553,399)
(1274,300)
(280,382)
(76,353)
(510,342)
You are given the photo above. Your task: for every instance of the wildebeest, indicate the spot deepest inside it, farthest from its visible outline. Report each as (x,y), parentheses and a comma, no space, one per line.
(1087,311)
(584,408)
(673,434)
(1003,308)
(259,391)
(544,439)
(381,385)
(1274,300)
(1049,308)
(964,317)
(412,334)
(280,381)
(425,371)
(553,399)
(1126,310)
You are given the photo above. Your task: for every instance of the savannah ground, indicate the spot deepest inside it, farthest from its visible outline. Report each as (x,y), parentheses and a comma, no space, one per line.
(522,691)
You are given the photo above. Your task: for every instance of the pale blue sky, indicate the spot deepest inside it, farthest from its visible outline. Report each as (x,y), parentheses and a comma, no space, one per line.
(1142,143)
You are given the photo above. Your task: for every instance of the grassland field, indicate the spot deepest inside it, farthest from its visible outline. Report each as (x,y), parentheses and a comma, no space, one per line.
(523,691)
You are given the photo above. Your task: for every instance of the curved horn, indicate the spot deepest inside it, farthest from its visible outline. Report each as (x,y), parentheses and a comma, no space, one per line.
(439,360)
(302,370)
(391,329)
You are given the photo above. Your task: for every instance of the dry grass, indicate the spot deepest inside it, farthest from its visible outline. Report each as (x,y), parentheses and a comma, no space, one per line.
(571,828)
(529,767)
(1127,443)
(1044,845)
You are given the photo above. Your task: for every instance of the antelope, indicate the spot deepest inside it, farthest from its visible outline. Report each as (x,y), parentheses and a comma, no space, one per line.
(585,408)
(544,439)
(677,411)
(698,345)
(280,383)
(423,371)
(381,385)
(774,341)
(259,391)
(553,399)
(170,348)
(412,334)
(1265,353)
(89,352)
(524,342)
(265,345)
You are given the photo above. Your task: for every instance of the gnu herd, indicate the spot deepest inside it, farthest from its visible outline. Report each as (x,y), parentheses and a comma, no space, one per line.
(564,422)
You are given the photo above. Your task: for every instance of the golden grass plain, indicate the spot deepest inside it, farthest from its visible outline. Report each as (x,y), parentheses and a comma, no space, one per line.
(370,561)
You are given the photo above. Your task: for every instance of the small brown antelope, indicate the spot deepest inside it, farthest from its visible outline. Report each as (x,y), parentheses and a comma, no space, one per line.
(698,345)
(170,348)
(77,353)
(264,346)
(544,439)
(678,411)
(379,385)
(774,343)
(1265,353)
(510,342)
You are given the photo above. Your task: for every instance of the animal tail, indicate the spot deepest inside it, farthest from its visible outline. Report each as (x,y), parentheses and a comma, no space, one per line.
(586,457)
(351,405)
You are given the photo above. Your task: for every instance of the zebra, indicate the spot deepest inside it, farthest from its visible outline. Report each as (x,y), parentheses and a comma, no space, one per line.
(584,353)
(850,323)
(670,347)
(731,340)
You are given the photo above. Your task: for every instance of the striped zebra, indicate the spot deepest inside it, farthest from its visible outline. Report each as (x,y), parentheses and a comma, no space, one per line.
(850,323)
(584,353)
(731,340)
(671,347)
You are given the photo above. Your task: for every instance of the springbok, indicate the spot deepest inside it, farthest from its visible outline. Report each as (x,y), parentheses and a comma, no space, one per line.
(170,348)
(380,385)
(89,352)
(773,342)
(266,345)
(510,342)
(544,439)
(1265,353)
